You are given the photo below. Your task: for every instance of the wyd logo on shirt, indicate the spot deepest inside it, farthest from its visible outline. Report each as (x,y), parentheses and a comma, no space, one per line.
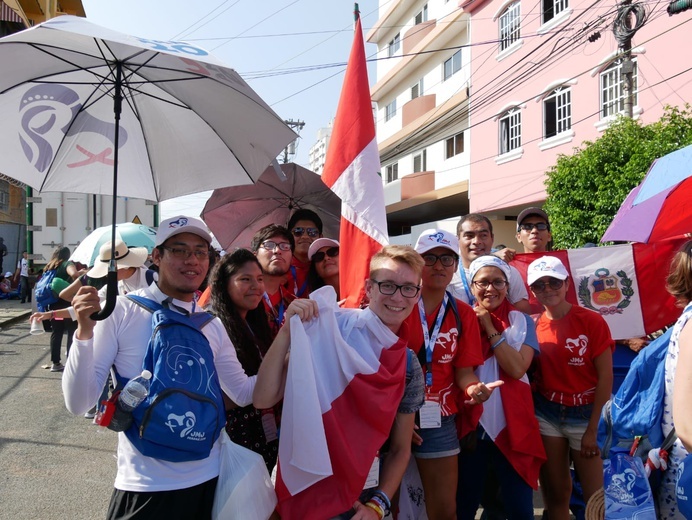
(604,293)
(577,347)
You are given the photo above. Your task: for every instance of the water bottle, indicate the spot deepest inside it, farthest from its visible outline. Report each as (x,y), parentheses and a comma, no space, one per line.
(135,391)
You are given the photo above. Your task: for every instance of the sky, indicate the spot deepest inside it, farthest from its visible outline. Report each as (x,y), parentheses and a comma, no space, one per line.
(265,41)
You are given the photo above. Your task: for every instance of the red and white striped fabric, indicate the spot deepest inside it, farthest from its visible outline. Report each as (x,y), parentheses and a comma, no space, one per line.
(352,171)
(624,283)
(345,381)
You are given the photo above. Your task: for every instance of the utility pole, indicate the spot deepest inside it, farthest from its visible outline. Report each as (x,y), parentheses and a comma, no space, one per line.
(291,148)
(630,18)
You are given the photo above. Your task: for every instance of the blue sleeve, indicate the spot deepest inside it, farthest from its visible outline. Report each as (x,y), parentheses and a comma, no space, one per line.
(531,338)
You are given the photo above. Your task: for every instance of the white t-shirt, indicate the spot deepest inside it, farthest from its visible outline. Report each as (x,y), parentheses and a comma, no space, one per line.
(121,340)
(517,289)
(23,266)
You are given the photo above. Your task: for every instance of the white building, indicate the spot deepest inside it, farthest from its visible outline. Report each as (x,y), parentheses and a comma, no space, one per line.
(318,151)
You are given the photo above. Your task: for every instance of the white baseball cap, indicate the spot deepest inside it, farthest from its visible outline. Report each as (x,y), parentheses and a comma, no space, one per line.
(124,257)
(546,266)
(432,238)
(181,224)
(319,244)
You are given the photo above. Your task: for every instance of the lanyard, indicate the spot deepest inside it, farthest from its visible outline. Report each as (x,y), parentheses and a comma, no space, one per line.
(278,319)
(465,281)
(430,338)
(296,291)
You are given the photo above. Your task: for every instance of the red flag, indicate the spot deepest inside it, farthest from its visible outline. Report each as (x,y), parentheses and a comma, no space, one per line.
(352,171)
(624,283)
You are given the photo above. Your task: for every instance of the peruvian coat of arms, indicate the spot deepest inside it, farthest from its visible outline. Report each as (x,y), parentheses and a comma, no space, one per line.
(606,293)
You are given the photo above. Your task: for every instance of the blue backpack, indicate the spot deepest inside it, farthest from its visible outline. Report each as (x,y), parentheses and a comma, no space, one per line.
(43,292)
(634,413)
(184,413)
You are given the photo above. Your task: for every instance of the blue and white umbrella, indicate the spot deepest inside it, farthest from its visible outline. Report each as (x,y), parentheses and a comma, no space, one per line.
(134,235)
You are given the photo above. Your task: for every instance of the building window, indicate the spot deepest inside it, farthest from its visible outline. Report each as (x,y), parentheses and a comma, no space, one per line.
(417,89)
(510,26)
(51,217)
(612,91)
(452,65)
(422,16)
(454,145)
(510,130)
(551,8)
(390,111)
(557,112)
(420,162)
(4,196)
(392,172)
(394,45)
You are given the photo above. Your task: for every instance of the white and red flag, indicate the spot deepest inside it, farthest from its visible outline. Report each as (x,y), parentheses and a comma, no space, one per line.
(352,171)
(626,284)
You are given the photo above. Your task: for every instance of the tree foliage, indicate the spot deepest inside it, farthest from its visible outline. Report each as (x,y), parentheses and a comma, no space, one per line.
(585,190)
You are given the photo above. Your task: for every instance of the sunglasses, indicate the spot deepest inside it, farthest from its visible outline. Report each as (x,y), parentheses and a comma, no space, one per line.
(331,253)
(540,226)
(553,283)
(311,231)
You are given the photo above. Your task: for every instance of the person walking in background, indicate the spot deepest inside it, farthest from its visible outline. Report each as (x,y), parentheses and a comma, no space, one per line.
(324,264)
(64,270)
(677,407)
(574,379)
(22,273)
(237,287)
(3,253)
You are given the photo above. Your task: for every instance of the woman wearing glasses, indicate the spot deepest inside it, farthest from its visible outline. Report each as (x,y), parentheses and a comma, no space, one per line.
(574,378)
(503,436)
(237,287)
(444,333)
(324,264)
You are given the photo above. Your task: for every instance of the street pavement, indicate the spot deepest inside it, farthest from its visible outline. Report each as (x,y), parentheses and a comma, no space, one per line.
(53,465)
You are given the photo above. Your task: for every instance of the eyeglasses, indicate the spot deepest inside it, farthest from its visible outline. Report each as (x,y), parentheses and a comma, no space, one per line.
(331,253)
(497,284)
(553,283)
(389,288)
(270,245)
(540,226)
(446,260)
(311,231)
(177,252)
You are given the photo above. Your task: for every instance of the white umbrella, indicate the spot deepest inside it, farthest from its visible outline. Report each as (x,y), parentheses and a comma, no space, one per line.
(90,110)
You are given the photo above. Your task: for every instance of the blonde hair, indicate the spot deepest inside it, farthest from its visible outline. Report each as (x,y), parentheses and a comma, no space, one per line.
(679,281)
(404,254)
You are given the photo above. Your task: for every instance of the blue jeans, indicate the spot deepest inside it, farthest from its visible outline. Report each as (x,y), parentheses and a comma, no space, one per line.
(516,494)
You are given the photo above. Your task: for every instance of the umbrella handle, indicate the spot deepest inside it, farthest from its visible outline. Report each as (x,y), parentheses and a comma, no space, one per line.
(111,296)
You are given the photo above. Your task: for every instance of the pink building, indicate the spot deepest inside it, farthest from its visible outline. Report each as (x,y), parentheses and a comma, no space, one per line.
(553,81)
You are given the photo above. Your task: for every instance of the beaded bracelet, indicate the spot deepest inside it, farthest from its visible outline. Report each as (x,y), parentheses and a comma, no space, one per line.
(497,343)
(494,335)
(375,507)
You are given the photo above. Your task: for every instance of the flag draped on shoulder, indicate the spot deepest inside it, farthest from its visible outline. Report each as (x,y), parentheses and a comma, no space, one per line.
(352,171)
(626,284)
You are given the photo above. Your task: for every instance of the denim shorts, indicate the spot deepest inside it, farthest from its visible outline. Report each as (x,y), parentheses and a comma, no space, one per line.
(438,442)
(556,420)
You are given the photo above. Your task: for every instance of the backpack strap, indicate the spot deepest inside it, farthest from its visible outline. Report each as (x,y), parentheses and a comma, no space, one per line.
(149,275)
(198,319)
(150,305)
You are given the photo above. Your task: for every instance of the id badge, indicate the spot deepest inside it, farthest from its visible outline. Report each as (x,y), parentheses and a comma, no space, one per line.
(269,425)
(373,479)
(430,414)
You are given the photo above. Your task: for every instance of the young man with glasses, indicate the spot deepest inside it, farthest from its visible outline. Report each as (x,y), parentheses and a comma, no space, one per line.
(444,333)
(306,226)
(372,385)
(148,487)
(533,230)
(273,246)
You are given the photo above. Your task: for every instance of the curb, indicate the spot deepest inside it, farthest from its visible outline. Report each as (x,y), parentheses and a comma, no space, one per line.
(15,319)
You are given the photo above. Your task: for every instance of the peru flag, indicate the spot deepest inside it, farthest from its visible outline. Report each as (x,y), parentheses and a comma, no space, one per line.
(623,283)
(345,379)
(352,171)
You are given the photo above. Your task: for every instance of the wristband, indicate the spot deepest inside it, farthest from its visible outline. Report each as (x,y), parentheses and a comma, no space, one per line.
(497,343)
(386,503)
(375,507)
(494,335)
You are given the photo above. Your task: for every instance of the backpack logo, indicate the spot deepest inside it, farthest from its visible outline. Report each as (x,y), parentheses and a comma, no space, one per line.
(186,423)
(604,293)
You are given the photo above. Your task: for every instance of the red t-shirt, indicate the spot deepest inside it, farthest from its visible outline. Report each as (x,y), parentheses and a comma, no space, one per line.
(451,350)
(297,282)
(566,373)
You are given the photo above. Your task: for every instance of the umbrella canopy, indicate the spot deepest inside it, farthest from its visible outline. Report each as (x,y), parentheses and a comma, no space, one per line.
(666,173)
(235,214)
(185,122)
(664,215)
(134,235)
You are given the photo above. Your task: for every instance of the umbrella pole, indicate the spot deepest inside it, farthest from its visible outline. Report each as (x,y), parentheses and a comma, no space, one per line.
(112,283)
